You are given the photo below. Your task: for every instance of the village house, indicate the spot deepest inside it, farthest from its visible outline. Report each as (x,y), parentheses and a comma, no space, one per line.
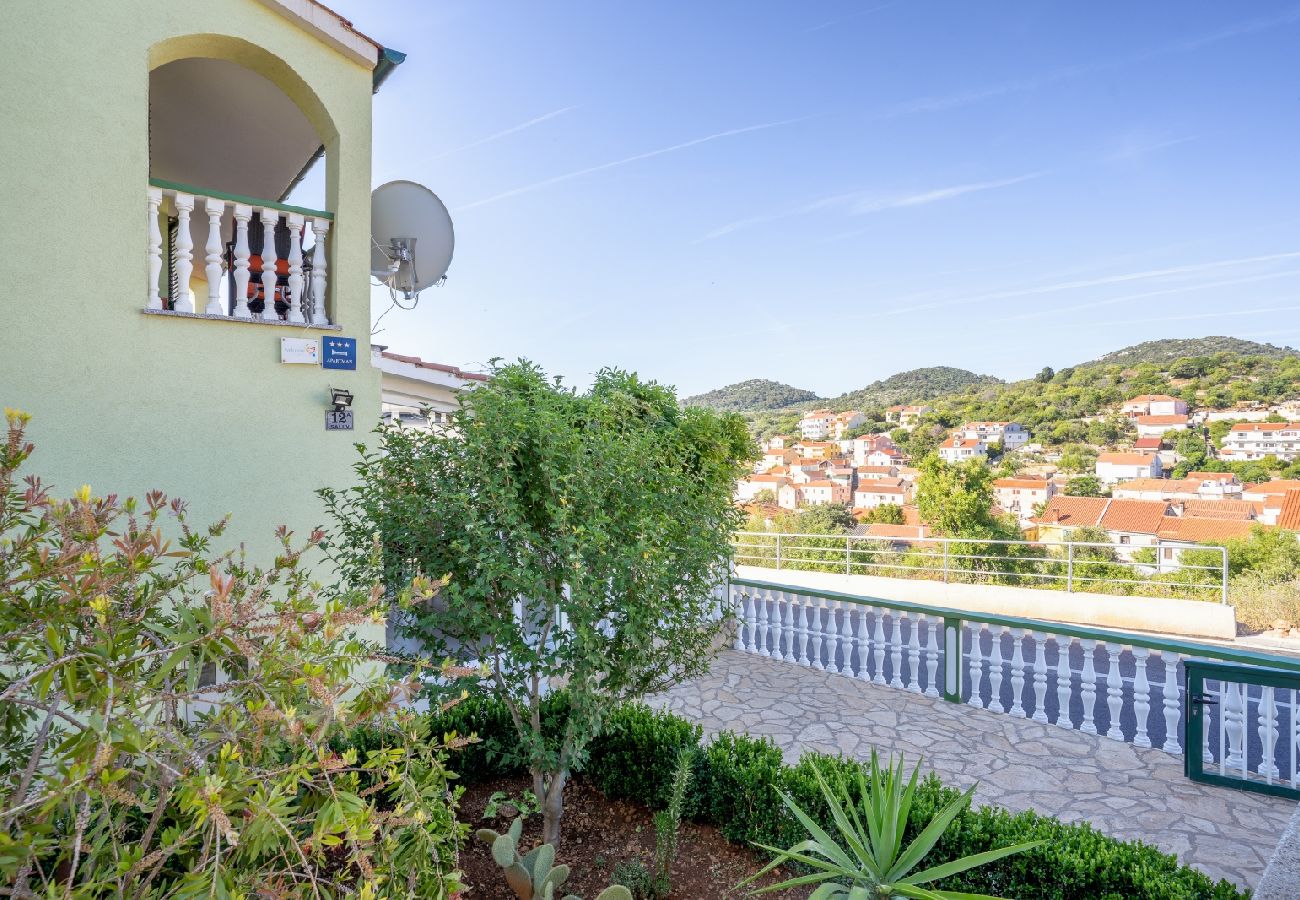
(875,473)
(772,458)
(1156,426)
(1019,496)
(845,423)
(1112,468)
(1011,435)
(1270,497)
(1149,444)
(812,493)
(905,416)
(1256,440)
(749,488)
(955,449)
(416,393)
(816,425)
(884,456)
(864,445)
(1154,405)
(1196,486)
(870,494)
(817,449)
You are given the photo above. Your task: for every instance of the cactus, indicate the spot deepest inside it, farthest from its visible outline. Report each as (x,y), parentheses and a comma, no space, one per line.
(534,876)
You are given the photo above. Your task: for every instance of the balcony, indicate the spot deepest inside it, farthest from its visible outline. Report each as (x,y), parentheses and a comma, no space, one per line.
(240,269)
(1074,722)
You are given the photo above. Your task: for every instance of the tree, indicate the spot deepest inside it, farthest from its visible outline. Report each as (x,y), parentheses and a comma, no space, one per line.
(886,514)
(1085,486)
(824,518)
(560,536)
(1190,446)
(1045,375)
(766,496)
(1078,458)
(957,500)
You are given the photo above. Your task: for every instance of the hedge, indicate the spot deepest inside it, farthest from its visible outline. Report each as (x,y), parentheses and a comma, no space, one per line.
(735,789)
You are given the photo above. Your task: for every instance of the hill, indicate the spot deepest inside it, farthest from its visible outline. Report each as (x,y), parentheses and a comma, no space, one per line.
(755,395)
(912,386)
(1171,349)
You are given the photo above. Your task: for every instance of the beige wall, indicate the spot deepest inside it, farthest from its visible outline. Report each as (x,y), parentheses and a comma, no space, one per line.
(128,402)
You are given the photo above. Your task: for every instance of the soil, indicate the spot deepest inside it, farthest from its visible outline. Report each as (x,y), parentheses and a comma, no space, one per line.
(597,833)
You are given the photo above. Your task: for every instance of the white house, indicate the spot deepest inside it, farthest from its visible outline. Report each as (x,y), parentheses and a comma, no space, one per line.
(844,424)
(816,425)
(754,485)
(861,447)
(1154,405)
(955,449)
(1154,426)
(884,456)
(1112,468)
(1012,435)
(871,494)
(875,473)
(415,393)
(905,416)
(1256,440)
(1019,496)
(818,493)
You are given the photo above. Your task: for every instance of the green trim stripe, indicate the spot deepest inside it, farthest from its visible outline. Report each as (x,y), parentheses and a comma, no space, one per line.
(239,198)
(1167,645)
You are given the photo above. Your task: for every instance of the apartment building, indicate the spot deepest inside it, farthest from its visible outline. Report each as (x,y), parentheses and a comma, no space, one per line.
(816,425)
(1256,440)
(1011,435)
(1112,468)
(845,423)
(1019,496)
(1154,426)
(1154,405)
(905,416)
(956,449)
(870,494)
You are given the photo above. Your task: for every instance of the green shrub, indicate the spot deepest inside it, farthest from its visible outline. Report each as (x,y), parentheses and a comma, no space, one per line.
(736,779)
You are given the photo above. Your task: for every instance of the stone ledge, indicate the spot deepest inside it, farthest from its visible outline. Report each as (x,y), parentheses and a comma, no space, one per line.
(278,323)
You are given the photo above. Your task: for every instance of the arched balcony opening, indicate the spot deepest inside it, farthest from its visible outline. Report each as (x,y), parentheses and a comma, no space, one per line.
(232,131)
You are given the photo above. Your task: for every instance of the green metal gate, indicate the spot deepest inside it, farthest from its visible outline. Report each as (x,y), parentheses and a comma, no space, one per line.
(1241,727)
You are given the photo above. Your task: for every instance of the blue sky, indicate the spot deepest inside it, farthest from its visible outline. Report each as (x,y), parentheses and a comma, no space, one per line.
(827,193)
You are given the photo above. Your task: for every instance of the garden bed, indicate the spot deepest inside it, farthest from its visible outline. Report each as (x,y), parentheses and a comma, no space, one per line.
(599,833)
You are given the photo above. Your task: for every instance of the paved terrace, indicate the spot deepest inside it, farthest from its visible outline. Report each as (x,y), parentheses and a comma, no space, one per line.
(1123,790)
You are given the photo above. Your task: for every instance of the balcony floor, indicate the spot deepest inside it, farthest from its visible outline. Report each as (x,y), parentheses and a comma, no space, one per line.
(1124,791)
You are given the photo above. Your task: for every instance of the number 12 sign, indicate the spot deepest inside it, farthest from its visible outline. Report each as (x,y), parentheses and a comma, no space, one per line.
(338,420)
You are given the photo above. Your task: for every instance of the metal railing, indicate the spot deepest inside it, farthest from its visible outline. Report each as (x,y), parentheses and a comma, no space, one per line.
(1195,570)
(1123,686)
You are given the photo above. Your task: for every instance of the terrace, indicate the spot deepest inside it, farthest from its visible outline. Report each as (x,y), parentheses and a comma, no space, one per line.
(1075,722)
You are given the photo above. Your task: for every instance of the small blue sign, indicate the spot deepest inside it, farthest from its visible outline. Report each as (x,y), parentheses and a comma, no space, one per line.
(339,353)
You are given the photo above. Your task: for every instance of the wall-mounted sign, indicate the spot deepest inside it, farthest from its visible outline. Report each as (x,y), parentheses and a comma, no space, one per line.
(338,420)
(340,353)
(304,351)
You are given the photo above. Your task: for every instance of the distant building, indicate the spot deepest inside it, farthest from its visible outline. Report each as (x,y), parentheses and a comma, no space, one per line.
(845,423)
(1148,444)
(905,416)
(754,485)
(871,494)
(816,425)
(1256,440)
(416,393)
(1011,435)
(955,449)
(1113,468)
(1155,426)
(1019,496)
(1154,405)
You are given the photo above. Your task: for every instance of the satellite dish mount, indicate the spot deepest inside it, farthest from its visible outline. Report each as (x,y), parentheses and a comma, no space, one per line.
(412,239)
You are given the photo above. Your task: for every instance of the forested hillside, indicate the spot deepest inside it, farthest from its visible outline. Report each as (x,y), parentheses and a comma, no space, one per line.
(754,395)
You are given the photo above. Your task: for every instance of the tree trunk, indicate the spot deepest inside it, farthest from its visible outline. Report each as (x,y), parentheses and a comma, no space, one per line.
(553,808)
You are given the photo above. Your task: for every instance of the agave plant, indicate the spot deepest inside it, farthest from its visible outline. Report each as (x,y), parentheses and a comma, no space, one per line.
(869,859)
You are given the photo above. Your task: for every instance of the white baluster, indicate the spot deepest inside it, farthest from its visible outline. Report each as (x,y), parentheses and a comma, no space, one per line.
(833,636)
(774,599)
(810,612)
(934,628)
(846,636)
(1114,692)
(863,641)
(787,626)
(1207,711)
(183,301)
(242,214)
(1038,685)
(319,227)
(215,210)
(1064,688)
(270,218)
(154,300)
(1088,686)
(974,663)
(895,652)
(1234,717)
(878,646)
(1017,672)
(1170,700)
(913,654)
(761,619)
(1267,733)
(995,670)
(819,634)
(1141,697)
(297,302)
(751,622)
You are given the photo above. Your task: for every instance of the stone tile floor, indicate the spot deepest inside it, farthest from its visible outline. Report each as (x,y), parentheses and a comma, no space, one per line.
(1124,791)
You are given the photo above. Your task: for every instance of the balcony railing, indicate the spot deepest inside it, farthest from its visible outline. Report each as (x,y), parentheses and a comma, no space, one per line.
(1070,566)
(1126,687)
(262,261)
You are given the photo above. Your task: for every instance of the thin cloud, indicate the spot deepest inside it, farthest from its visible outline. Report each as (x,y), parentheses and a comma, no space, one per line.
(515,129)
(858,203)
(1130,150)
(842,19)
(568,176)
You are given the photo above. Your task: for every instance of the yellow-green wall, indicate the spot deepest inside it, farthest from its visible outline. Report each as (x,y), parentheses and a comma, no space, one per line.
(127,402)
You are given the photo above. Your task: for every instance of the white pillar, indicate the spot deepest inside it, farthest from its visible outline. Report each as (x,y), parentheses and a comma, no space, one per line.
(1114,692)
(215,209)
(270,218)
(751,646)
(760,620)
(878,645)
(819,633)
(787,626)
(1141,697)
(863,641)
(242,214)
(1267,733)
(1088,686)
(319,227)
(896,652)
(1064,689)
(1017,672)
(846,636)
(1234,722)
(1170,700)
(183,301)
(297,301)
(833,638)
(809,629)
(932,631)
(1038,686)
(995,670)
(913,682)
(974,664)
(154,300)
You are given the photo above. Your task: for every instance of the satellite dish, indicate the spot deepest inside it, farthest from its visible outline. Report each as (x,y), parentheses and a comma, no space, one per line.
(411,237)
